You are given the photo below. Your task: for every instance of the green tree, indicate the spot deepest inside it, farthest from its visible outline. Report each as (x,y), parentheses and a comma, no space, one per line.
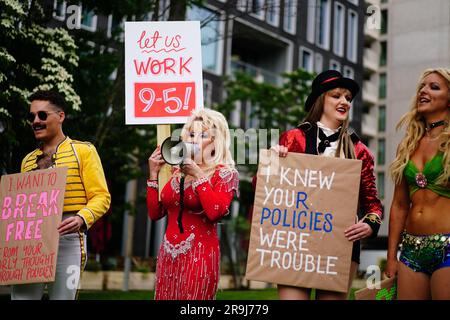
(32,57)
(275,108)
(100,82)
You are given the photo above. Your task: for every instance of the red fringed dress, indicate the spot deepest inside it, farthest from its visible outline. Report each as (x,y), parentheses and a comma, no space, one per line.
(188,263)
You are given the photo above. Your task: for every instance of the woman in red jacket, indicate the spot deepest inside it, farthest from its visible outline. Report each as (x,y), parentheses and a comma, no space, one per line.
(189,257)
(326,132)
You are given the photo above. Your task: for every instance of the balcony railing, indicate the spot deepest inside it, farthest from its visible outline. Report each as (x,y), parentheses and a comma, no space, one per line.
(370,92)
(259,74)
(372,33)
(373,2)
(371,60)
(369,123)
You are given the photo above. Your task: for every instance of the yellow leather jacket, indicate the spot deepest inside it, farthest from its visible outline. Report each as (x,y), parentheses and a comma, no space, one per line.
(86,189)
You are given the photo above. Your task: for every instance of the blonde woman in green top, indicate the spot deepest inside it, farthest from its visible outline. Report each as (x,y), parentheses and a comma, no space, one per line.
(419,220)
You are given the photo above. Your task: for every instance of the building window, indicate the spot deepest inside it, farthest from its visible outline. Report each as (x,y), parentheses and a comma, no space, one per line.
(323,24)
(382,87)
(383,53)
(148,16)
(241,5)
(381,151)
(164,10)
(209,36)
(311,23)
(115,25)
(349,72)
(257,8)
(380,184)
(273,12)
(235,116)
(290,16)
(334,65)
(355,2)
(88,19)
(251,121)
(339,25)
(352,36)
(307,59)
(207,93)
(384,21)
(318,63)
(382,118)
(59,10)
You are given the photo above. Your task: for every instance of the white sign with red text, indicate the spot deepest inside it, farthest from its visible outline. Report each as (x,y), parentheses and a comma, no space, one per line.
(163,71)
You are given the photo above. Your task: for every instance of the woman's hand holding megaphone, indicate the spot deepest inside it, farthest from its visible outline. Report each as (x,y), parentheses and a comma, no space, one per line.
(189,167)
(155,163)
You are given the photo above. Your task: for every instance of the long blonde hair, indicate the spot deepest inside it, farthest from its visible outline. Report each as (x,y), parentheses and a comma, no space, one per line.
(345,142)
(218,126)
(415,129)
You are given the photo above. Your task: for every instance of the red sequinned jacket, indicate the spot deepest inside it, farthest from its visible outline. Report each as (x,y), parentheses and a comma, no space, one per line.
(304,140)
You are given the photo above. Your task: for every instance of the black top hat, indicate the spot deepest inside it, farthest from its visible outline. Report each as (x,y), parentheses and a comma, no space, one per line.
(328,80)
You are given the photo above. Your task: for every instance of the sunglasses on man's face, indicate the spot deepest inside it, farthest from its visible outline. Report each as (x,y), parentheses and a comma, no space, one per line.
(42,115)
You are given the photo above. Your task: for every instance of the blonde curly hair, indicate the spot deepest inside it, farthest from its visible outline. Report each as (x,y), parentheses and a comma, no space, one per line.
(415,129)
(216,123)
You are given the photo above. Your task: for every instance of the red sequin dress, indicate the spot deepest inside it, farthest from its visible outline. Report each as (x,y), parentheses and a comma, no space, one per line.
(188,263)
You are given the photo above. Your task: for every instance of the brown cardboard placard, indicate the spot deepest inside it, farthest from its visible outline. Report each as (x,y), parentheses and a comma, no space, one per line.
(303,204)
(32,205)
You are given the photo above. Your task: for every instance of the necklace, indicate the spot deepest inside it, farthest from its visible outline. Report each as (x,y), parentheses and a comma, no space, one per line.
(430,126)
(433,125)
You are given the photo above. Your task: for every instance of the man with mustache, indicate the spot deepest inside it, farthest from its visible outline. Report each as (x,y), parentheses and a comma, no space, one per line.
(86,196)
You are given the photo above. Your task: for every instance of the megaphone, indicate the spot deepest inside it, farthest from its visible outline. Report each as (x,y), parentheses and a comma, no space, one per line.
(174,152)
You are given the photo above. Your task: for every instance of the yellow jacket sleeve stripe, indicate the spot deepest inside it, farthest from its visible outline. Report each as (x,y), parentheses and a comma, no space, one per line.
(93,177)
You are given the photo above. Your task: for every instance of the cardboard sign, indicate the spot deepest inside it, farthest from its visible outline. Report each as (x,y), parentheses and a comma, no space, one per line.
(32,205)
(384,290)
(303,204)
(163,71)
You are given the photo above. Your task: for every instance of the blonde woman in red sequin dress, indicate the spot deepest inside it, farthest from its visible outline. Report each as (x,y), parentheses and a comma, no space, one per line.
(189,257)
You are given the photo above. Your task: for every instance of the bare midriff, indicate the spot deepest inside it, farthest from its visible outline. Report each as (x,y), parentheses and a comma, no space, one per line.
(429,214)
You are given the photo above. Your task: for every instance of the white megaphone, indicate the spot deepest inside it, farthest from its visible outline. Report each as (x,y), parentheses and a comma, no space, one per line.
(175,151)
